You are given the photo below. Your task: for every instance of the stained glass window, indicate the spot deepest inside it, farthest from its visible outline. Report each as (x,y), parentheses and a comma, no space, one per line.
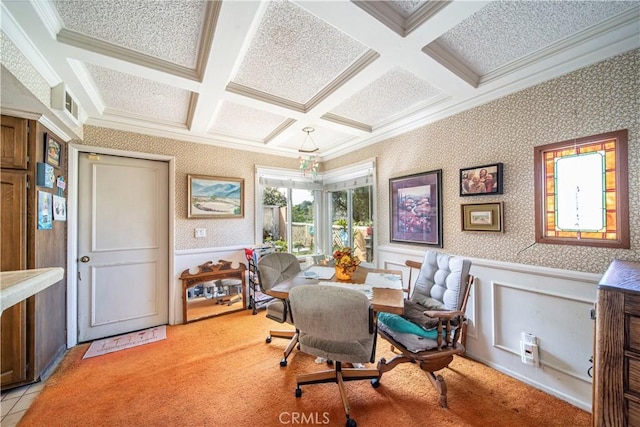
(581,187)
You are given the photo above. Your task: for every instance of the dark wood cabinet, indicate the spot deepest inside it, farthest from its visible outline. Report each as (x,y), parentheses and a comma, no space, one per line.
(32,332)
(616,383)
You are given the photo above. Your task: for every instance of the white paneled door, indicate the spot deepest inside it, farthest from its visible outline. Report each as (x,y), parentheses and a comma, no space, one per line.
(122,245)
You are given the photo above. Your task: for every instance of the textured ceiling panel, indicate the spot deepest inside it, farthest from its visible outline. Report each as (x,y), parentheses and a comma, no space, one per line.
(236,119)
(140,96)
(169,30)
(504,31)
(393,93)
(294,54)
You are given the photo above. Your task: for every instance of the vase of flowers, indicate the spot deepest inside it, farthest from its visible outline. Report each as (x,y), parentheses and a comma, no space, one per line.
(346,263)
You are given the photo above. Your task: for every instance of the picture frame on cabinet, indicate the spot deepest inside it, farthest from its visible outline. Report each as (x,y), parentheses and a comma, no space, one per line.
(52,151)
(59,208)
(45,211)
(416,208)
(481,180)
(215,197)
(45,176)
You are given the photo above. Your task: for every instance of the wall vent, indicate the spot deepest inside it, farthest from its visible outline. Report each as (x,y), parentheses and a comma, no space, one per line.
(62,100)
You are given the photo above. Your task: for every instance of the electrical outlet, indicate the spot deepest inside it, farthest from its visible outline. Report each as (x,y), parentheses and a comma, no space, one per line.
(528,338)
(200,232)
(529,349)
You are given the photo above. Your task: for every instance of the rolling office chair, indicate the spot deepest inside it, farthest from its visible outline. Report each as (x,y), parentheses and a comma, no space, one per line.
(336,324)
(433,327)
(273,269)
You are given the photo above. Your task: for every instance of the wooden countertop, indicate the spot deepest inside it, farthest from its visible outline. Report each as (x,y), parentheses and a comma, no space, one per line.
(19,285)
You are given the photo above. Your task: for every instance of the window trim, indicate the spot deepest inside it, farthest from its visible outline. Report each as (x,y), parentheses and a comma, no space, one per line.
(622,191)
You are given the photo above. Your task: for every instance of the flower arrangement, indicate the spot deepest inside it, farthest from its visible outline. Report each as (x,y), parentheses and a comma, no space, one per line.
(346,261)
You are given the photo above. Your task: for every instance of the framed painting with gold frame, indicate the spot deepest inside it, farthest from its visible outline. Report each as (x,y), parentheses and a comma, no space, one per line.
(215,197)
(483,217)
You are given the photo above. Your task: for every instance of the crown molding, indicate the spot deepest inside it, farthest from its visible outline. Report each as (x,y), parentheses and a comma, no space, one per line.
(346,122)
(23,43)
(101,47)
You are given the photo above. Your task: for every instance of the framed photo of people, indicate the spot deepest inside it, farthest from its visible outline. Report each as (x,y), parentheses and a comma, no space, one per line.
(416,208)
(481,180)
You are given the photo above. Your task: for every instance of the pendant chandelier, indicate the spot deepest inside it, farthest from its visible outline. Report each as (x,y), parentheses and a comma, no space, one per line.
(308,164)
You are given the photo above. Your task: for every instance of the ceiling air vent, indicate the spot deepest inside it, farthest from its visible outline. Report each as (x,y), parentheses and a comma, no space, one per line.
(62,100)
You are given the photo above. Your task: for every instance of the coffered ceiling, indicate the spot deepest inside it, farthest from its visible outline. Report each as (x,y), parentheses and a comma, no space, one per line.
(253,74)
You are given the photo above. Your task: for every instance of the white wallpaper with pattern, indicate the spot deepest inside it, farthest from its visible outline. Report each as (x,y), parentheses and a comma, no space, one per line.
(596,99)
(590,101)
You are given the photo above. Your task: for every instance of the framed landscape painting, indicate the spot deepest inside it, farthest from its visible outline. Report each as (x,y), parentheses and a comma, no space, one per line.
(215,197)
(416,208)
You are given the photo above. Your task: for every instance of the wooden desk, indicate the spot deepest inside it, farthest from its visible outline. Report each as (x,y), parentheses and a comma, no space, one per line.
(387,300)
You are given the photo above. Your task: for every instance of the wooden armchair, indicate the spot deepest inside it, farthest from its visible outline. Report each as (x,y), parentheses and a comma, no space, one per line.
(433,328)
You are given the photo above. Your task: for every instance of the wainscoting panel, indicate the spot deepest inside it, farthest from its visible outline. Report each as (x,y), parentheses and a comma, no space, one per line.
(570,314)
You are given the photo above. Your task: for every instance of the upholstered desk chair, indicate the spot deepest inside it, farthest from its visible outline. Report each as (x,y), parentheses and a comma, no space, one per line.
(336,324)
(273,269)
(429,332)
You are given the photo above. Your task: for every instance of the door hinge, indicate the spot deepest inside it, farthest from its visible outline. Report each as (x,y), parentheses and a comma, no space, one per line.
(79,276)
(28,184)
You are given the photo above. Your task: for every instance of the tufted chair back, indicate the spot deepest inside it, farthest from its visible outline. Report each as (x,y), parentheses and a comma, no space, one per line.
(442,281)
(277,267)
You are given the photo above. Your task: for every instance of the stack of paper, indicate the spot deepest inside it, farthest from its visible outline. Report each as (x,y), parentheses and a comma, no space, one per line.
(319,272)
(384,280)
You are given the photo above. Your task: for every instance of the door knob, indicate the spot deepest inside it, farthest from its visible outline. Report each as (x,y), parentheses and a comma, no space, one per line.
(85,259)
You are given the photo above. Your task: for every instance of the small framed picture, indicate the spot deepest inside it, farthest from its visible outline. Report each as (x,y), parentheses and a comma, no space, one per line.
(481,180)
(45,210)
(483,217)
(59,208)
(52,151)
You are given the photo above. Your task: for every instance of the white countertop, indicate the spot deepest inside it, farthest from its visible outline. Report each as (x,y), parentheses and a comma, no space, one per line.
(19,285)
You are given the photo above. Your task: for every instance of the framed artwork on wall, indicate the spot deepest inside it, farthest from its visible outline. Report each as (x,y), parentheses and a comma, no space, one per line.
(416,208)
(481,180)
(52,151)
(483,217)
(215,197)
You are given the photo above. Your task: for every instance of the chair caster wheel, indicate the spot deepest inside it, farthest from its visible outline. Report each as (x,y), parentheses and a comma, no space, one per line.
(375,382)
(298,392)
(283,362)
(351,422)
(268,340)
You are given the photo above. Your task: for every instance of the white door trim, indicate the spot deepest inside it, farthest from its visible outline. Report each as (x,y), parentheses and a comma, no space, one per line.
(72,230)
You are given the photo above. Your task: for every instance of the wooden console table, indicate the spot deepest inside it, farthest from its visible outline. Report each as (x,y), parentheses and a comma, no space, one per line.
(209,272)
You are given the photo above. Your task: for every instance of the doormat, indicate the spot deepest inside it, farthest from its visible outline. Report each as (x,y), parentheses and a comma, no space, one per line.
(133,339)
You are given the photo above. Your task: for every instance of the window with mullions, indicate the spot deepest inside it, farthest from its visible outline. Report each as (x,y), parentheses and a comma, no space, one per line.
(581,190)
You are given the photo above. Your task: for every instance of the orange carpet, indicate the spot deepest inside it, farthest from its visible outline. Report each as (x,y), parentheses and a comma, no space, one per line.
(220,372)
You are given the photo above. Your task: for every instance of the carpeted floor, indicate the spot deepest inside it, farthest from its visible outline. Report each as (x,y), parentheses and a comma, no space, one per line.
(220,372)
